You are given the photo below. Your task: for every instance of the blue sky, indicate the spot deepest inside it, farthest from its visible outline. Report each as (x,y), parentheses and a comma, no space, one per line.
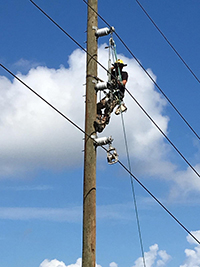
(41,160)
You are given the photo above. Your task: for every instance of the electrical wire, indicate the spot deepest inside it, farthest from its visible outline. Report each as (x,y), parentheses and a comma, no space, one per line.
(159,202)
(124,167)
(169,43)
(150,77)
(90,136)
(38,95)
(115,78)
(129,171)
(54,22)
(167,138)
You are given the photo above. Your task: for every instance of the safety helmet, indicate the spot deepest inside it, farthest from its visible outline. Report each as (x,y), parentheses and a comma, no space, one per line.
(120,62)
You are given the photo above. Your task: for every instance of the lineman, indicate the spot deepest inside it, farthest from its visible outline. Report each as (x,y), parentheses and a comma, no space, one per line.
(113,98)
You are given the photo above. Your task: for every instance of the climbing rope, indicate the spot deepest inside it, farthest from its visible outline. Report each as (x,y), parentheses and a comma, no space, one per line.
(133,190)
(114,54)
(119,75)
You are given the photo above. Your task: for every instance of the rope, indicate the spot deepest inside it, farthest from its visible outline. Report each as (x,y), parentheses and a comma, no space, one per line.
(114,50)
(133,191)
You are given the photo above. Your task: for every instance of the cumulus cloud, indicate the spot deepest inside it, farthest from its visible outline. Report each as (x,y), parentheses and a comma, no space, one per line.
(33,135)
(192,240)
(113,264)
(186,182)
(56,263)
(154,257)
(53,263)
(192,255)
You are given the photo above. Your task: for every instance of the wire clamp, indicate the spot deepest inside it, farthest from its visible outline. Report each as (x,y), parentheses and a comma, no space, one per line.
(112,156)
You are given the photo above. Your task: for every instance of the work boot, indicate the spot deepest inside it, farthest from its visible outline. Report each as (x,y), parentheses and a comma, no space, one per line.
(99,126)
(106,119)
(120,109)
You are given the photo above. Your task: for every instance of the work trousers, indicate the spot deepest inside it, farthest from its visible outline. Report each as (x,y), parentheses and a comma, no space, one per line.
(108,103)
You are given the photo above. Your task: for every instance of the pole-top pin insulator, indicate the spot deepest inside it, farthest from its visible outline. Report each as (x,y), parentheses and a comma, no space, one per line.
(104,31)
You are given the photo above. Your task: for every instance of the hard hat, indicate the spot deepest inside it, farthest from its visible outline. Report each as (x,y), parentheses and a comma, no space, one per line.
(120,62)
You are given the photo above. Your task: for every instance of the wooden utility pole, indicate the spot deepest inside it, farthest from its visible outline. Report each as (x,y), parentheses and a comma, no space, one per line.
(89,191)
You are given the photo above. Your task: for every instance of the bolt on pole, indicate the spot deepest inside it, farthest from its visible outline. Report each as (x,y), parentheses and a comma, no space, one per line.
(89,190)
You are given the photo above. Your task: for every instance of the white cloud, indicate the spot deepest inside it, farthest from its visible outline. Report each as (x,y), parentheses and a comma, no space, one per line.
(164,258)
(192,255)
(152,257)
(192,240)
(185,182)
(33,135)
(53,263)
(56,263)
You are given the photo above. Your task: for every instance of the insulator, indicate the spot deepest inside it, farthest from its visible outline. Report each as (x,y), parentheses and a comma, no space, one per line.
(101,86)
(102,32)
(112,157)
(101,141)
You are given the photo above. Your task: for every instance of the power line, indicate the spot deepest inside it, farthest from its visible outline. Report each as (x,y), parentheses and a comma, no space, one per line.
(125,168)
(38,95)
(115,78)
(158,201)
(78,44)
(177,150)
(137,216)
(150,77)
(107,70)
(170,44)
